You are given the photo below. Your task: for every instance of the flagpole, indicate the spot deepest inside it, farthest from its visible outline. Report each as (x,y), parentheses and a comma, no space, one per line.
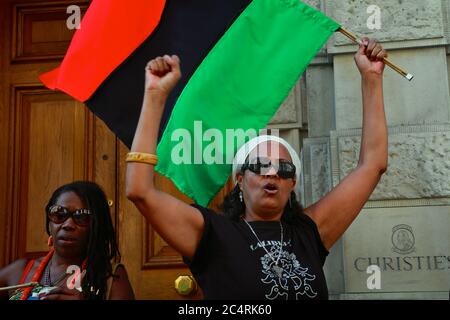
(396,68)
(29,284)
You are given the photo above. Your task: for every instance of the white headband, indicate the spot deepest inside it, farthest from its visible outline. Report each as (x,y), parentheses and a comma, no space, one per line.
(244,150)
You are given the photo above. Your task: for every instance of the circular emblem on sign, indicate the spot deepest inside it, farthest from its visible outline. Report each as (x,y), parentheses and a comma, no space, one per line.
(402,239)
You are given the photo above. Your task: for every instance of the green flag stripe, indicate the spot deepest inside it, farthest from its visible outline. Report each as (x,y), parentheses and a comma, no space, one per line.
(241,84)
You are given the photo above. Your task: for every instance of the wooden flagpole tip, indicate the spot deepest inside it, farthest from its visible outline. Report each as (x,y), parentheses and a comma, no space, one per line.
(392,65)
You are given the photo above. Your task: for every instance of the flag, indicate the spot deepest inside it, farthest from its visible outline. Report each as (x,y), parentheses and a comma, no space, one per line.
(239,61)
(102,43)
(187,28)
(239,85)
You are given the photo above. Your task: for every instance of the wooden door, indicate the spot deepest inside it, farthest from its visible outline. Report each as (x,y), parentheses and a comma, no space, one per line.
(48,139)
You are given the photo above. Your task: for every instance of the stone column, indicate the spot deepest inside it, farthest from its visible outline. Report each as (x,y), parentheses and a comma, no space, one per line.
(405,227)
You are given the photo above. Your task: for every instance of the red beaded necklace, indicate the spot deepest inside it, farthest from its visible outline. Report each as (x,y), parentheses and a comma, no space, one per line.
(38,274)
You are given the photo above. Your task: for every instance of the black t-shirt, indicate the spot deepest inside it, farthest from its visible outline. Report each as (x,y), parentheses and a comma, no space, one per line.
(229,263)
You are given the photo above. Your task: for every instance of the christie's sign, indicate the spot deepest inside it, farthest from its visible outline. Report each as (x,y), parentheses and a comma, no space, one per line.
(404,256)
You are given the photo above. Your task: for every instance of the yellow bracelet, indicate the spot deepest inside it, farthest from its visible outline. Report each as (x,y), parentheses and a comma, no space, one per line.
(142,158)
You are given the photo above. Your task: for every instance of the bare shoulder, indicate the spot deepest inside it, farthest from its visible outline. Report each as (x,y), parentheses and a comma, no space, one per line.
(11,274)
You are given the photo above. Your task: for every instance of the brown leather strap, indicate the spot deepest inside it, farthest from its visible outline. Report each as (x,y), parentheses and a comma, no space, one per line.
(111,279)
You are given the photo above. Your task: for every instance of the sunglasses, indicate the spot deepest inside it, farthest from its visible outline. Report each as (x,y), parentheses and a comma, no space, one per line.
(59,214)
(285,169)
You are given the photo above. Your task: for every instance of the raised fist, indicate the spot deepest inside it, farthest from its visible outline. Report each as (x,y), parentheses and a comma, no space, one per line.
(162,74)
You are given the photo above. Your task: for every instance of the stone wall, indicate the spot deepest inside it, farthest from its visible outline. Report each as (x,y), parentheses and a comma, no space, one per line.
(322,117)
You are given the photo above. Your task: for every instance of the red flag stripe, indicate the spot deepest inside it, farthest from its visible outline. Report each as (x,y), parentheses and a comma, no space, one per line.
(110,31)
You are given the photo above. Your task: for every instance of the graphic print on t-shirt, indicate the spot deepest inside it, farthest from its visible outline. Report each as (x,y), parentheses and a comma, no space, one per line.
(280,274)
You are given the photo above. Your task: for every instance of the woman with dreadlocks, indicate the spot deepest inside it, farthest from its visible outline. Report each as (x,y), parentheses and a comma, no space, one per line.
(83,246)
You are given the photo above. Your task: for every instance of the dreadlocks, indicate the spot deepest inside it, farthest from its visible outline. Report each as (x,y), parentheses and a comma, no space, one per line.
(102,246)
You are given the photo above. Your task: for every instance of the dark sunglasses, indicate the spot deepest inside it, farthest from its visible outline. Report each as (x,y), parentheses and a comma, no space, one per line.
(58,214)
(261,165)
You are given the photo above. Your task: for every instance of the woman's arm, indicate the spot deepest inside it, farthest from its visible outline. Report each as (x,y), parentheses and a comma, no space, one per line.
(10,276)
(179,224)
(3,283)
(335,212)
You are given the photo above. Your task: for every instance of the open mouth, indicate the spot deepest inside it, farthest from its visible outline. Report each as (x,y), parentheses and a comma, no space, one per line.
(67,240)
(270,188)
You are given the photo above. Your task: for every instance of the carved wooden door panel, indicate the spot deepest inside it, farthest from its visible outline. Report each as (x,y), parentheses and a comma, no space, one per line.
(46,138)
